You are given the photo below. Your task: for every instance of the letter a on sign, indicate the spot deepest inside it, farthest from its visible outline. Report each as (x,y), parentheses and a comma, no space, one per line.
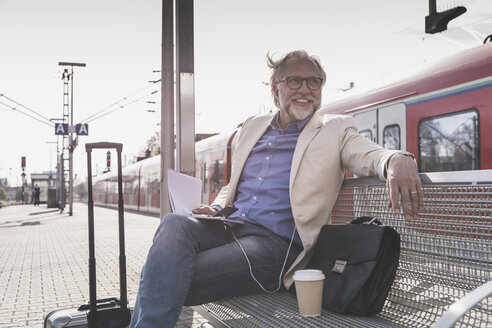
(82,129)
(61,128)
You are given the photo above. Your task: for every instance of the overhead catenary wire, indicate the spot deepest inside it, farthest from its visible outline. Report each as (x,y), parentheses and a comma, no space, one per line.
(32,111)
(118,108)
(98,113)
(51,124)
(93,117)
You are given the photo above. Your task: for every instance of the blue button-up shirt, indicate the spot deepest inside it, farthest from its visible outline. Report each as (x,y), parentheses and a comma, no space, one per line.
(263,189)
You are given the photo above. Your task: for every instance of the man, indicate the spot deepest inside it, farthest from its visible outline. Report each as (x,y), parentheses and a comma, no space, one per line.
(37,192)
(286,175)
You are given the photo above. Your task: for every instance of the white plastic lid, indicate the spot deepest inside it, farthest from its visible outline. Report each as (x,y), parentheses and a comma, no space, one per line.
(308,275)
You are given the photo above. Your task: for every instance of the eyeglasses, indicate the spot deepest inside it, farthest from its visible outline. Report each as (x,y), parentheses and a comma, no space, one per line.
(295,82)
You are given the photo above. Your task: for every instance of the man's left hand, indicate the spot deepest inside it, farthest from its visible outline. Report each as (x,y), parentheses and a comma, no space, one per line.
(402,180)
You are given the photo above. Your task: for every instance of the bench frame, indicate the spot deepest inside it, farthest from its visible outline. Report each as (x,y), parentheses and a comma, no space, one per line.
(445,271)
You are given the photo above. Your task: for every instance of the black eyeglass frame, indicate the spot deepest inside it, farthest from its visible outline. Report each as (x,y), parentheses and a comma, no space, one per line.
(288,78)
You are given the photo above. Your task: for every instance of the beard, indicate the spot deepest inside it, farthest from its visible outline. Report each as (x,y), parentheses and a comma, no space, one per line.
(301,113)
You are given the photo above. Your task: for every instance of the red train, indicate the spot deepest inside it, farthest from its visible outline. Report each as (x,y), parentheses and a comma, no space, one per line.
(442,114)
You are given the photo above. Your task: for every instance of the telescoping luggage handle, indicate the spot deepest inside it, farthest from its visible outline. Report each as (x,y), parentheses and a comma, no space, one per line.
(92,259)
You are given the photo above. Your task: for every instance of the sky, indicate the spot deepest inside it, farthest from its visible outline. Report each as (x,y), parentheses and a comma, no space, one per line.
(360,41)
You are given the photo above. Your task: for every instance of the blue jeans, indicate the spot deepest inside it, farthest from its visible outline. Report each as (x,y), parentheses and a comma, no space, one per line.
(196,261)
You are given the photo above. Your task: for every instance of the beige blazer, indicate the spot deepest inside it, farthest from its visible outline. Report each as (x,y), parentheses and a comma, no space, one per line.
(326,147)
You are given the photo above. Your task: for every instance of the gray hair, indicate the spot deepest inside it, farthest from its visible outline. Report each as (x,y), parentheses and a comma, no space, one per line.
(279,65)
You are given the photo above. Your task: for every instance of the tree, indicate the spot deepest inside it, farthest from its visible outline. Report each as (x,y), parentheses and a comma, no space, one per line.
(153,145)
(18,194)
(81,190)
(3,194)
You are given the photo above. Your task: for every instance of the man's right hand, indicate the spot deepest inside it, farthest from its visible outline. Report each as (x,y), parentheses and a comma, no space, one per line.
(205,209)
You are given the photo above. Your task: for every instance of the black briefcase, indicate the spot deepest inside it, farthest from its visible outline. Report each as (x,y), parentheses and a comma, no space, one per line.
(359,261)
(98,313)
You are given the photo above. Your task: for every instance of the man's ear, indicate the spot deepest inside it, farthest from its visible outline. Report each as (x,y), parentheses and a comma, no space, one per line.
(275,91)
(275,97)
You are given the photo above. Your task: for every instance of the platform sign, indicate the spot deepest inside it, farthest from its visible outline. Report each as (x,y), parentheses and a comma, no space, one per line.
(61,129)
(82,129)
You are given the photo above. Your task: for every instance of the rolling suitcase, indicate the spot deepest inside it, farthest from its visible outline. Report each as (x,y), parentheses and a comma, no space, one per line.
(108,312)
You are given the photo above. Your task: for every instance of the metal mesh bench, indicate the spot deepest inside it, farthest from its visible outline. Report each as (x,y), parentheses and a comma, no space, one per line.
(445,270)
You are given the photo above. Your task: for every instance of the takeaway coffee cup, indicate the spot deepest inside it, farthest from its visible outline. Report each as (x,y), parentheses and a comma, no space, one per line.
(309,290)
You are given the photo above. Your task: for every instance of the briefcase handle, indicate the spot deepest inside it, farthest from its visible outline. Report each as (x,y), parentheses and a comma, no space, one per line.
(366,219)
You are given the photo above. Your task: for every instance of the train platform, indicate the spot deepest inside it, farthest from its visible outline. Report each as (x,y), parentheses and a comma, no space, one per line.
(44,261)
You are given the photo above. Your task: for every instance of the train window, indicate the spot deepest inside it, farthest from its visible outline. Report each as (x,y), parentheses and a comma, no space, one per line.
(155,183)
(366,133)
(127,186)
(112,186)
(391,137)
(449,142)
(217,175)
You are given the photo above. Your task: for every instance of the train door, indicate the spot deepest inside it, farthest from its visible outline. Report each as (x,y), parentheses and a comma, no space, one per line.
(367,123)
(385,126)
(392,127)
